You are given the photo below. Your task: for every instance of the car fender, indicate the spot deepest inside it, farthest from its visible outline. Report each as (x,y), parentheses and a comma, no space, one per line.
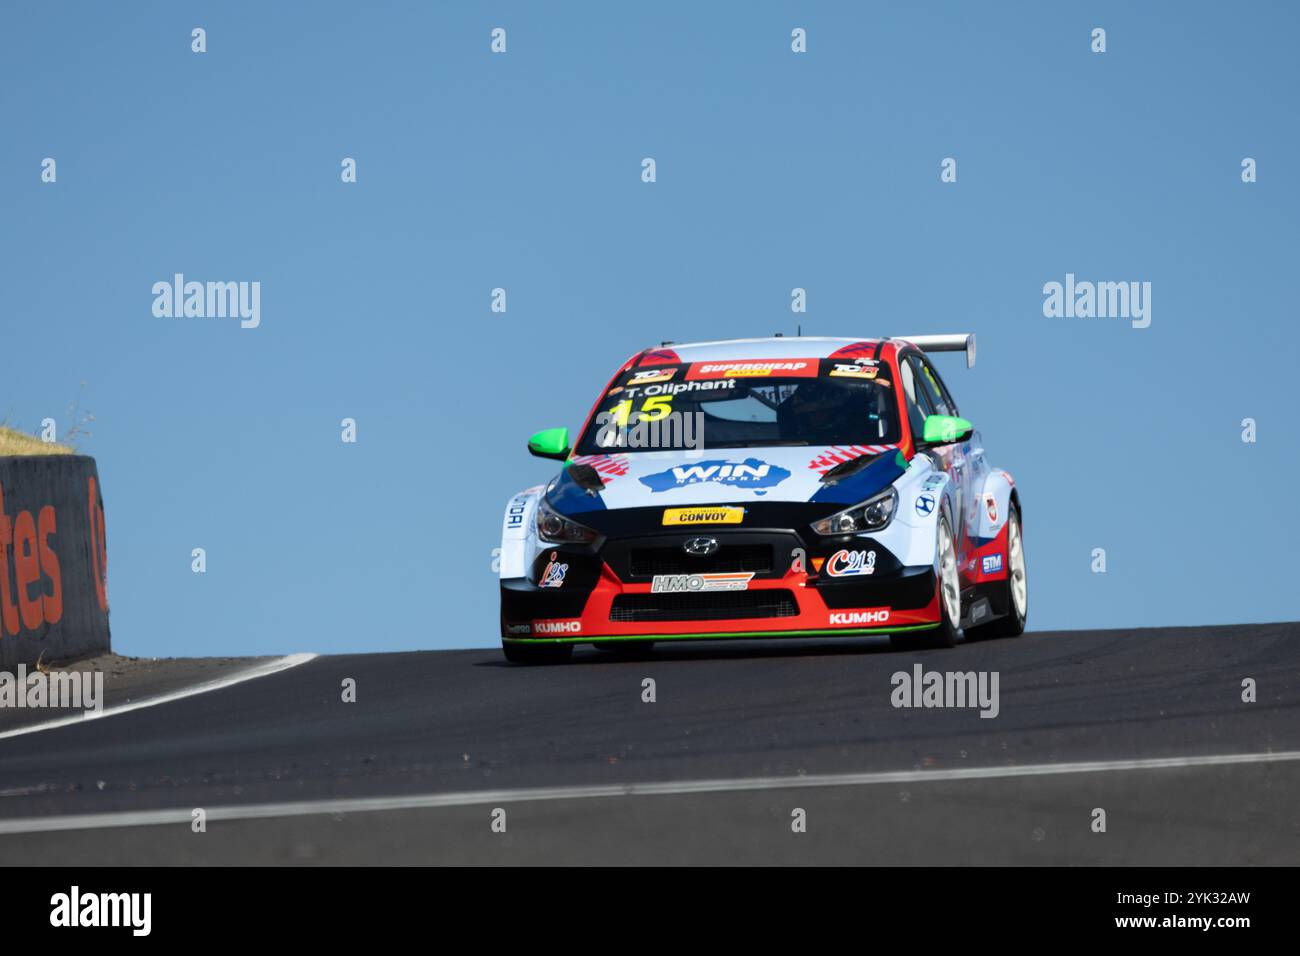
(519,532)
(923,494)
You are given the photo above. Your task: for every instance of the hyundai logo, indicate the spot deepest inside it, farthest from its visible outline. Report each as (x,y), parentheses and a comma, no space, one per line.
(700,546)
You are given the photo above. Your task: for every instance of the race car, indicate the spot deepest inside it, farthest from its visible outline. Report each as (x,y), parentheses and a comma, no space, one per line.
(753,488)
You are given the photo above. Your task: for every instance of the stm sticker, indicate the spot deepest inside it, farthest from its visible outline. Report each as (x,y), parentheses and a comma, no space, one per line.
(991,564)
(553,574)
(844,564)
(750,473)
(726,514)
(669,583)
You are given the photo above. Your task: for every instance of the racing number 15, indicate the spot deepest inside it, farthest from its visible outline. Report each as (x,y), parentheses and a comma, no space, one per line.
(652,409)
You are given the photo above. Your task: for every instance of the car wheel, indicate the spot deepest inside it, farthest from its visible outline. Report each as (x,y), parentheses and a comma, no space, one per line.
(949,592)
(1016,597)
(536,653)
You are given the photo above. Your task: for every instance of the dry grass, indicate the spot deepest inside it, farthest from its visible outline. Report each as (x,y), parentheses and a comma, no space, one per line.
(13,442)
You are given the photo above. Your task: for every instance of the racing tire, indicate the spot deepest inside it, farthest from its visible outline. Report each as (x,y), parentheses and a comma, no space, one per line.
(948,589)
(536,653)
(1011,624)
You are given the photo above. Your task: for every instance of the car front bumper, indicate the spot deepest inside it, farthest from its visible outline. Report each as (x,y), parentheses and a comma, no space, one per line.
(617,594)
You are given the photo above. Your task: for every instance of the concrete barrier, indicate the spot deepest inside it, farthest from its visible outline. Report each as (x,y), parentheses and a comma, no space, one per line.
(53,559)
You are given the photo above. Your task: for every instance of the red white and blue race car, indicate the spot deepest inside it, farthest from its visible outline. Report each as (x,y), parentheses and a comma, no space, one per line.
(781,487)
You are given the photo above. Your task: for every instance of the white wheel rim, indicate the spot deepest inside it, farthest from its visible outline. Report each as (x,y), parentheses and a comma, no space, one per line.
(948,575)
(1016,565)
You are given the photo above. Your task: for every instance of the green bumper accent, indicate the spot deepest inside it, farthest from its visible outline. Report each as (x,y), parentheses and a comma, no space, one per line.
(715,636)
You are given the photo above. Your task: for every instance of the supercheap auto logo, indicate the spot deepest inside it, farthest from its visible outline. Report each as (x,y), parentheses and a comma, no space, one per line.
(750,473)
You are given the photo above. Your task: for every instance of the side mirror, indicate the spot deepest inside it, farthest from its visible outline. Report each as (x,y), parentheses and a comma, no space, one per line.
(946,430)
(551,443)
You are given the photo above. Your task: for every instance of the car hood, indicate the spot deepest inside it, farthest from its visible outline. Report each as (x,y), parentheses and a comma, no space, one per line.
(721,476)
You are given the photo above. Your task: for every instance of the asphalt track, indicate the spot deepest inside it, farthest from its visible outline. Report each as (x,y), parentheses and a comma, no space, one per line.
(1148,725)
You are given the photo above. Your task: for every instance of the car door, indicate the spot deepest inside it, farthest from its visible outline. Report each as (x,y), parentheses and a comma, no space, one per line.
(934,395)
(964,460)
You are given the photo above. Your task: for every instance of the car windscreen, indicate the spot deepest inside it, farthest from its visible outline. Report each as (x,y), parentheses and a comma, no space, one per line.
(751,403)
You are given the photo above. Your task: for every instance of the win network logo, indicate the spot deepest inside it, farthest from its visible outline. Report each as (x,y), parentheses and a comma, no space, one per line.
(750,473)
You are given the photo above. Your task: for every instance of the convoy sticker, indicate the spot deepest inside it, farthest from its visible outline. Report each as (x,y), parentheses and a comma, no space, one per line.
(845,563)
(750,473)
(726,514)
(669,583)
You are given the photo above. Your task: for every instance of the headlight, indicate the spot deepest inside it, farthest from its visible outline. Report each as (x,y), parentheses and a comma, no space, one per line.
(554,528)
(872,515)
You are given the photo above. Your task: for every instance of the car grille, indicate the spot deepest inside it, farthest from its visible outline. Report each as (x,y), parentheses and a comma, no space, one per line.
(717,606)
(645,562)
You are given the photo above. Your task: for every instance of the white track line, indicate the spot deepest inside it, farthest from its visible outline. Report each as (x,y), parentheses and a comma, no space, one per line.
(261,811)
(238,677)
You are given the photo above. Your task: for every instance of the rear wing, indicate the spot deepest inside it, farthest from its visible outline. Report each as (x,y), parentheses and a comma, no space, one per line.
(957,342)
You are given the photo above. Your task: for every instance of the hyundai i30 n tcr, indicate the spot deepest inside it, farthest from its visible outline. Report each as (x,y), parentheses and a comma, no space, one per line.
(783,487)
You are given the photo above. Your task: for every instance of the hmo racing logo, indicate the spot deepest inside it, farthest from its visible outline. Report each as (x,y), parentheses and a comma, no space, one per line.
(875,615)
(669,583)
(750,473)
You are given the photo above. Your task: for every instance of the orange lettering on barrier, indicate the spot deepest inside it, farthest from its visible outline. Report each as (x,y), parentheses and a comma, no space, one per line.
(27,569)
(98,546)
(52,603)
(26,546)
(8,610)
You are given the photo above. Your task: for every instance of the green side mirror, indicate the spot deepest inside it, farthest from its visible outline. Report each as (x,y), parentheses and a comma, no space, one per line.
(551,443)
(946,429)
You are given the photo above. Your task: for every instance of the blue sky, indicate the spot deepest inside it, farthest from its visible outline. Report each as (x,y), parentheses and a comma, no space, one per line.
(522,170)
